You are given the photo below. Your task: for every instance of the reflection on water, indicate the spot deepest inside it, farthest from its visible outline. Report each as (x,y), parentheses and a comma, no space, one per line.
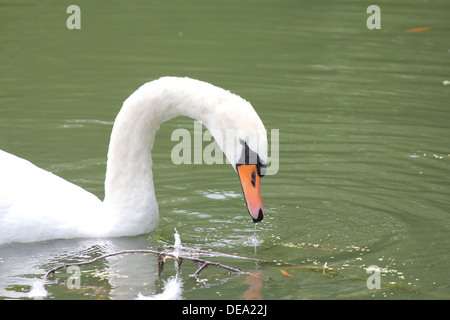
(363,129)
(119,277)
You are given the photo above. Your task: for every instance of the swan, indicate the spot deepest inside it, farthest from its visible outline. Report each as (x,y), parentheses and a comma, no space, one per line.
(37,205)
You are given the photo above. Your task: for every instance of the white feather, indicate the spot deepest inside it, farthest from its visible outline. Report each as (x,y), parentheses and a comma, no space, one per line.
(173,288)
(37,290)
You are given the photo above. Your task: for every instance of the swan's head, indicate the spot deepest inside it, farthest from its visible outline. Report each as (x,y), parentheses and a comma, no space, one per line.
(240,133)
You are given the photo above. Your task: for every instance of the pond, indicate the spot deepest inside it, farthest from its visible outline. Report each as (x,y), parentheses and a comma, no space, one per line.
(364,134)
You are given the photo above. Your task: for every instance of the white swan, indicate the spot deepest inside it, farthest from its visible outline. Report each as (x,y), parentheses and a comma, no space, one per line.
(37,205)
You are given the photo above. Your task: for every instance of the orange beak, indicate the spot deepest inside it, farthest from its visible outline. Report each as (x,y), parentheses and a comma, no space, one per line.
(251,183)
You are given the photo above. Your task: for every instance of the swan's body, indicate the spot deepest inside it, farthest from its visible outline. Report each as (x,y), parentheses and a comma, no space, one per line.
(37,205)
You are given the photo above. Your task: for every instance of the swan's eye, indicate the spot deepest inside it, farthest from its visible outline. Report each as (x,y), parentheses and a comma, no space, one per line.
(261,169)
(248,156)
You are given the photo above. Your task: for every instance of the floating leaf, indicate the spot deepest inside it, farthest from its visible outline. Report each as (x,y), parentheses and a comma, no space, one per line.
(286,273)
(418,29)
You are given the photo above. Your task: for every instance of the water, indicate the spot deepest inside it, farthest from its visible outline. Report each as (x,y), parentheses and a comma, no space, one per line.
(364,135)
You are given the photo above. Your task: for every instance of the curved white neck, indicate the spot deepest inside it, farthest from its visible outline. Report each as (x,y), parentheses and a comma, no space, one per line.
(129,190)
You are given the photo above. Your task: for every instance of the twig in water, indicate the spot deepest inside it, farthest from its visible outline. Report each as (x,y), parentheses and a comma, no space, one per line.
(162,256)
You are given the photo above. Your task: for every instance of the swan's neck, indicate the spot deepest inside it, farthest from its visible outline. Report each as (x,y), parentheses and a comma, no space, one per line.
(129,190)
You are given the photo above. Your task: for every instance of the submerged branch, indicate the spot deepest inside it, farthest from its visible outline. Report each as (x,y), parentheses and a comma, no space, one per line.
(82,263)
(178,255)
(203,264)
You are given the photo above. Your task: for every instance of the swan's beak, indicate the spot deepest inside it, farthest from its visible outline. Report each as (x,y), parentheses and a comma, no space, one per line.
(251,183)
